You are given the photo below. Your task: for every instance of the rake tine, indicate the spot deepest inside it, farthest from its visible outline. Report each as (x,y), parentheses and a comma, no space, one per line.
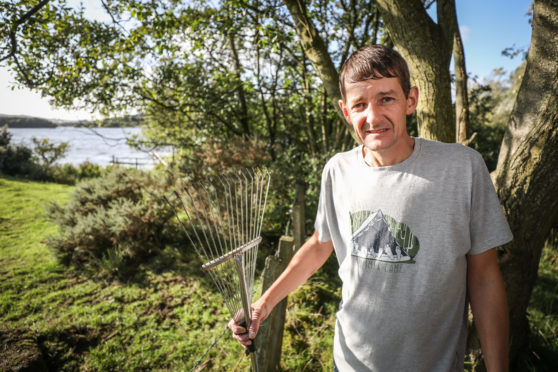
(210,198)
(228,205)
(182,223)
(213,277)
(209,252)
(225,278)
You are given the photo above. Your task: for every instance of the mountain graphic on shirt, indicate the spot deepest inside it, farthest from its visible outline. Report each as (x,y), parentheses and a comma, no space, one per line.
(376,236)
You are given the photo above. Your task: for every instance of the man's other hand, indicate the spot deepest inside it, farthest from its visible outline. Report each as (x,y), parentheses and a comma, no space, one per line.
(260,313)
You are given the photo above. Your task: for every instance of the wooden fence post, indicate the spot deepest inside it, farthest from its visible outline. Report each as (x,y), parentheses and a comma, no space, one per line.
(299,217)
(270,334)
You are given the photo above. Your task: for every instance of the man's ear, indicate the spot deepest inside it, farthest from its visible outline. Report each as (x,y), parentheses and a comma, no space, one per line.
(412,100)
(345,111)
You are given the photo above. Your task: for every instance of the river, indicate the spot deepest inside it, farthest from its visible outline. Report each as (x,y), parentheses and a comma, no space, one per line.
(98,145)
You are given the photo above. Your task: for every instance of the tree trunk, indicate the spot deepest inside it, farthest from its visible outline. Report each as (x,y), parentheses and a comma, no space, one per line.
(461,94)
(427,48)
(243,115)
(527,174)
(315,50)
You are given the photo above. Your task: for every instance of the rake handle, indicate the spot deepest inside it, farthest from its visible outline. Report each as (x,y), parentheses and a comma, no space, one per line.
(239,261)
(251,348)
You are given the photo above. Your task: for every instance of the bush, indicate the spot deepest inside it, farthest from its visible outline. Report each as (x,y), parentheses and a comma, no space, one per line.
(70,174)
(16,160)
(113,222)
(49,152)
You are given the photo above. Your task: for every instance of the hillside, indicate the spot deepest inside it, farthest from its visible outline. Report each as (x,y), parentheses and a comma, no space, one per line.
(25,122)
(22,121)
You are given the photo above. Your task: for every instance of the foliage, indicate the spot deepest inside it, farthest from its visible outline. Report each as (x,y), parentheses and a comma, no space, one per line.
(20,121)
(542,352)
(223,76)
(112,222)
(17,121)
(71,174)
(16,160)
(489,134)
(49,152)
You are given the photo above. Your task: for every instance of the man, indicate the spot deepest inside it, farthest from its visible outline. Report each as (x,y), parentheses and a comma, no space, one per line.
(413,224)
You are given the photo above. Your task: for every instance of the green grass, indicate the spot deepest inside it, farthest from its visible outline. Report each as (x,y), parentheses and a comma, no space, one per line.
(163,322)
(543,313)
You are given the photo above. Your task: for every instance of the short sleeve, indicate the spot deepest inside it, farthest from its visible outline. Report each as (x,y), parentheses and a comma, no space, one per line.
(488,225)
(325,205)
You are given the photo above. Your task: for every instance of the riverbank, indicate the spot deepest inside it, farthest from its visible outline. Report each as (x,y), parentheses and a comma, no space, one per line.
(22,121)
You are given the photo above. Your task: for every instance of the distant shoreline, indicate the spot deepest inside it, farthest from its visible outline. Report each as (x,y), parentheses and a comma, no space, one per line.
(19,121)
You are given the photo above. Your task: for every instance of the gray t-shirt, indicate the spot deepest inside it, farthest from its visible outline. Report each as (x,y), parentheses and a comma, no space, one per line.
(401,235)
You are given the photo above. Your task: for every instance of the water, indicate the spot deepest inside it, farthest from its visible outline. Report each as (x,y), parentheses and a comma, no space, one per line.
(98,145)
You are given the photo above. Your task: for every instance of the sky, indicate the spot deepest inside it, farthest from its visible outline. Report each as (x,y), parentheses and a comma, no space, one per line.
(487,28)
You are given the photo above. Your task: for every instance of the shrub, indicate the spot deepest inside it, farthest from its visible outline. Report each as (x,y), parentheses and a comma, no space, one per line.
(16,160)
(113,222)
(49,152)
(70,174)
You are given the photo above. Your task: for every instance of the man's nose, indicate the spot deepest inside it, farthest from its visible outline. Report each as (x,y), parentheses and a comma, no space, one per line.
(373,115)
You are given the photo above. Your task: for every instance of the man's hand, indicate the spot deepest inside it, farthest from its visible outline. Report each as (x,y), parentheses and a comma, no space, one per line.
(260,312)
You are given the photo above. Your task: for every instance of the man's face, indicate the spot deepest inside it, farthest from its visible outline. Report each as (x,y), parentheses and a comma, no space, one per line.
(377,110)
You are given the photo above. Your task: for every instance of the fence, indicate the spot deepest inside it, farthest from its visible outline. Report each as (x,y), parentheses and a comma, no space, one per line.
(136,162)
(270,335)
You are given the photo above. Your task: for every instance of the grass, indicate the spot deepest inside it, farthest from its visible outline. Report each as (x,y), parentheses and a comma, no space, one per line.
(163,322)
(165,318)
(543,313)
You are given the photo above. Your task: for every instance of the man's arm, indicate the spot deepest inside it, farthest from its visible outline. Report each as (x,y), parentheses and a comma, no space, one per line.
(487,294)
(309,258)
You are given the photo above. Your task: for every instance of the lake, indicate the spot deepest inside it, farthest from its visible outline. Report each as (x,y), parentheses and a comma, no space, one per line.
(97,145)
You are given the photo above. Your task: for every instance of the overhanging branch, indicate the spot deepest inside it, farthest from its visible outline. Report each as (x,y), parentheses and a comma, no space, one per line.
(16,24)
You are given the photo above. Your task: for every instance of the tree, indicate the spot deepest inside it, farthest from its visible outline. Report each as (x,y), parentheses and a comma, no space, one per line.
(462,123)
(49,152)
(205,75)
(427,47)
(527,175)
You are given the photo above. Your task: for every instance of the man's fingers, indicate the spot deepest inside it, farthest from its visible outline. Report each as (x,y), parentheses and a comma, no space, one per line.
(236,328)
(240,333)
(243,339)
(255,324)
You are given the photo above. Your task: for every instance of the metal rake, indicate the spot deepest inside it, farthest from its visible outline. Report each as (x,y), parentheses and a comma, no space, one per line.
(223,220)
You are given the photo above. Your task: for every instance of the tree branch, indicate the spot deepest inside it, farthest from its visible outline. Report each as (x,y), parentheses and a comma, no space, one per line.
(16,24)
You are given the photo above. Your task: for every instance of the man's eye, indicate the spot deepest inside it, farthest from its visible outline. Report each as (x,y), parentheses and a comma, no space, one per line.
(387,99)
(358,106)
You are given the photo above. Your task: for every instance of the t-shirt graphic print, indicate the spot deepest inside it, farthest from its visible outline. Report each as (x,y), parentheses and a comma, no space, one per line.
(377,236)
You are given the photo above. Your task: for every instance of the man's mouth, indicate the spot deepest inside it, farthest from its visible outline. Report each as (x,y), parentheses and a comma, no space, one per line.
(376,131)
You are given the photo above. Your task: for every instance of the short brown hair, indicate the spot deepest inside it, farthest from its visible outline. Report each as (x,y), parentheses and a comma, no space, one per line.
(374,62)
